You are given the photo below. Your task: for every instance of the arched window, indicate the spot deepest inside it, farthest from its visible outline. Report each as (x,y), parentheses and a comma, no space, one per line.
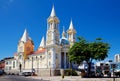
(50,25)
(20,57)
(74,36)
(6,63)
(49,63)
(13,64)
(40,57)
(49,55)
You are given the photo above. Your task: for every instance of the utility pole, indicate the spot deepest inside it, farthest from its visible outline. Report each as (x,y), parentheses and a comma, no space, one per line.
(32,65)
(113,67)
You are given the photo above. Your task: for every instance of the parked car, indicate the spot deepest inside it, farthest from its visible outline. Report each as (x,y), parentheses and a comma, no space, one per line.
(1,72)
(27,72)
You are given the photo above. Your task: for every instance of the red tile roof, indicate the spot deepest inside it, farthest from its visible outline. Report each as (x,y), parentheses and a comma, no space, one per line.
(41,50)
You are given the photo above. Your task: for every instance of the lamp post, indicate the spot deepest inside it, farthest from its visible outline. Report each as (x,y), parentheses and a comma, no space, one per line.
(32,64)
(113,67)
(50,70)
(40,63)
(71,68)
(37,63)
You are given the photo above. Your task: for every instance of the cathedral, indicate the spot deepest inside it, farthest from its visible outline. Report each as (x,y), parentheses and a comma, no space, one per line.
(52,53)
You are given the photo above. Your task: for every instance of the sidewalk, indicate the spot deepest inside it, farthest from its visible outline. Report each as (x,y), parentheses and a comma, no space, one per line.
(56,78)
(71,78)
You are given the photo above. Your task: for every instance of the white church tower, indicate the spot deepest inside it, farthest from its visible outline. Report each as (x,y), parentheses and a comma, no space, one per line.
(71,34)
(52,41)
(52,30)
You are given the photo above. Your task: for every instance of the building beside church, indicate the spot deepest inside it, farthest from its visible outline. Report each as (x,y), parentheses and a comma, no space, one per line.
(117,60)
(2,64)
(51,55)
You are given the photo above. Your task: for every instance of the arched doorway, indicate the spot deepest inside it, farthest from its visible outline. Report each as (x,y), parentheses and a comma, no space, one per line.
(20,67)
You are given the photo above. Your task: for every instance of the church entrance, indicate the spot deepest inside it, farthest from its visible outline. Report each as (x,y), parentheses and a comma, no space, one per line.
(62,60)
(20,67)
(67,61)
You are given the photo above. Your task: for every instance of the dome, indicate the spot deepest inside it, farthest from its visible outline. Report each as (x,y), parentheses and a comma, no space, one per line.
(64,41)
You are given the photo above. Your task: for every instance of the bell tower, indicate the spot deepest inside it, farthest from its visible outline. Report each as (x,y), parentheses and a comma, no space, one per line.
(52,41)
(52,29)
(25,45)
(71,34)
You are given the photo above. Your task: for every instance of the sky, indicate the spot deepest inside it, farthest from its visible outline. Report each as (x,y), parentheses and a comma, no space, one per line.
(91,19)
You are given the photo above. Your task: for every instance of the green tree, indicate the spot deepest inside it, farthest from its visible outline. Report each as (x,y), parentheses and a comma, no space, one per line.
(88,51)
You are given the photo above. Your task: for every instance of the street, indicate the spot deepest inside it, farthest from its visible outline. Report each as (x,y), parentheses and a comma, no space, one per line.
(54,78)
(17,78)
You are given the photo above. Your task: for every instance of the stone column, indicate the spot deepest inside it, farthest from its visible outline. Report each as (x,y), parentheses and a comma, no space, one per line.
(53,58)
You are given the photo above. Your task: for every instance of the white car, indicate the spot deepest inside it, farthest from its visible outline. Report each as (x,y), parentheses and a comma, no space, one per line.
(27,72)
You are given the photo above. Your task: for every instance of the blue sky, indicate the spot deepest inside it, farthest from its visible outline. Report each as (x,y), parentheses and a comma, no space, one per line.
(91,19)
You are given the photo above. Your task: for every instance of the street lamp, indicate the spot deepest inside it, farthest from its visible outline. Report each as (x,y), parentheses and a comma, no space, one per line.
(113,67)
(50,70)
(37,63)
(40,63)
(32,64)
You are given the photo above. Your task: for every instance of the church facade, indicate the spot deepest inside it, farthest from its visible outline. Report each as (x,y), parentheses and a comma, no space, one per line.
(51,55)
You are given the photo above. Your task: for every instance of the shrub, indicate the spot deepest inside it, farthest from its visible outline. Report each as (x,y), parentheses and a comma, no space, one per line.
(69,72)
(117,74)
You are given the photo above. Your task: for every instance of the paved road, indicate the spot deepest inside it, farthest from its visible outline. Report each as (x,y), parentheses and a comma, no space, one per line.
(73,78)
(22,78)
(17,78)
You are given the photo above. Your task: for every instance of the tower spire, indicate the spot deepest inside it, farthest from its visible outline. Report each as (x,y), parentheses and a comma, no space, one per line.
(42,44)
(71,34)
(53,12)
(71,25)
(53,25)
(25,36)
